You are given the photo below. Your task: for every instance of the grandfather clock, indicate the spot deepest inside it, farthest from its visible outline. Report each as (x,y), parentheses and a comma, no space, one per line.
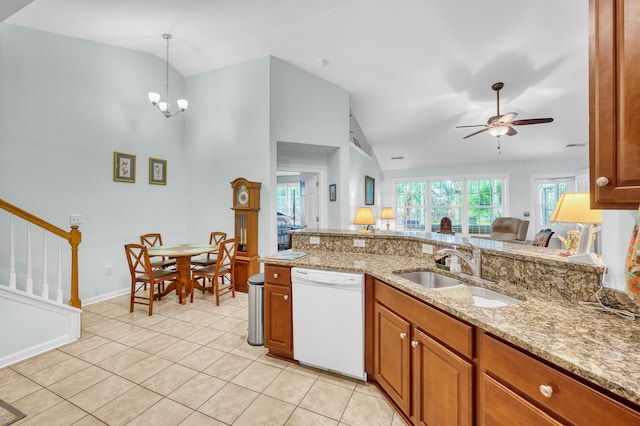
(246,203)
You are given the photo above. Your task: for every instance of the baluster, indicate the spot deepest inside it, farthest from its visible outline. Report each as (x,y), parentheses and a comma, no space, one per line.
(29,288)
(59,296)
(45,280)
(12,255)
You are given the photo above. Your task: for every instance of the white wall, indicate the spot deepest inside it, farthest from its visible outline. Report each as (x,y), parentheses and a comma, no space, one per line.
(227,136)
(65,106)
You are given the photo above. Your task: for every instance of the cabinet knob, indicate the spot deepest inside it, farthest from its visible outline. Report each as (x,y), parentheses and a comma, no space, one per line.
(602,181)
(403,336)
(546,391)
(276,275)
(286,297)
(414,344)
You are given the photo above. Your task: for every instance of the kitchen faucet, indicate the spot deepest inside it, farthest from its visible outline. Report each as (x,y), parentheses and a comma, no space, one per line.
(475,261)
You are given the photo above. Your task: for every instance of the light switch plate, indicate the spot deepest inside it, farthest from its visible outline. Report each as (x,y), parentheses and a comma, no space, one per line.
(314,240)
(75,219)
(358,243)
(427,249)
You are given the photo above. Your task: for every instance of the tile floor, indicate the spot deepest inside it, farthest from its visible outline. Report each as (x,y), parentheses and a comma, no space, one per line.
(185,365)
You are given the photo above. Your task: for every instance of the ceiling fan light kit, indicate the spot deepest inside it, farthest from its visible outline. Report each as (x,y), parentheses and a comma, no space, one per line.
(501,125)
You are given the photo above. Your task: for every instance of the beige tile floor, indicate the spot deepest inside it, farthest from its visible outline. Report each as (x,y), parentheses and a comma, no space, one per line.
(185,365)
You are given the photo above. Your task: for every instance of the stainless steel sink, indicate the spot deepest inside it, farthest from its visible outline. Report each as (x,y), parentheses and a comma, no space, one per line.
(430,279)
(486,298)
(482,297)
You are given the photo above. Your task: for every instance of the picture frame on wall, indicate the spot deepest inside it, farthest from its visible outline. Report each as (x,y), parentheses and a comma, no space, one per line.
(124,167)
(369,190)
(332,192)
(157,171)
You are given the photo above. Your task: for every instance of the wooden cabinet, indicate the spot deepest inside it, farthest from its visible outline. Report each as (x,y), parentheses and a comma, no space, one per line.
(392,361)
(614,90)
(442,383)
(429,382)
(516,385)
(278,312)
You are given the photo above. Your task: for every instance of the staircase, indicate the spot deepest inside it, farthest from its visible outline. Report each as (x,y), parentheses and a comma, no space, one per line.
(34,318)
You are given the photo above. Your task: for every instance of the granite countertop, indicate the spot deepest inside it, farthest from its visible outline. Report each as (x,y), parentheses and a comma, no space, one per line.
(598,346)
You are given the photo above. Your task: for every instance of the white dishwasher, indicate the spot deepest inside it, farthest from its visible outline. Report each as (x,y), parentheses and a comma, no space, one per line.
(328,320)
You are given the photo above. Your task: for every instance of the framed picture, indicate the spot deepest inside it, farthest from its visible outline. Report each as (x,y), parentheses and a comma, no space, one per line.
(369,190)
(157,171)
(124,167)
(332,192)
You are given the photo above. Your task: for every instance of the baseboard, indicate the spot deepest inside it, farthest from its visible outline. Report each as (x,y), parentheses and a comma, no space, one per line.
(106,296)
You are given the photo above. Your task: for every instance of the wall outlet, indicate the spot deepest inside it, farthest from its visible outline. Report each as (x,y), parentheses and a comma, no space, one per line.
(108,270)
(427,249)
(358,243)
(75,219)
(314,240)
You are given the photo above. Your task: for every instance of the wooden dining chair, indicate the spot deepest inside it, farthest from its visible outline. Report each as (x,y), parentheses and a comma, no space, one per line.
(143,274)
(216,238)
(221,274)
(152,240)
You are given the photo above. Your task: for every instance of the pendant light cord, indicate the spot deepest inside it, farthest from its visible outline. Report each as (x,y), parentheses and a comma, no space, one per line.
(167,37)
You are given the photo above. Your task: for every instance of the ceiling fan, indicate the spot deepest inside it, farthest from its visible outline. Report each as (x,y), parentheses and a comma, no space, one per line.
(500,125)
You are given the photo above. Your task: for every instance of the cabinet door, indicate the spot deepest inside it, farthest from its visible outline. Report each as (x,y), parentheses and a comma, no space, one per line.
(501,406)
(278,325)
(442,384)
(392,355)
(614,89)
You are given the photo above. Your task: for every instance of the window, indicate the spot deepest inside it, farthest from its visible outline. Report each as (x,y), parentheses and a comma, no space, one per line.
(288,201)
(547,191)
(472,203)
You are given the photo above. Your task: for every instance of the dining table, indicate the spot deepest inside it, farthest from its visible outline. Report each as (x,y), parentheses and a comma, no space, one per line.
(182,253)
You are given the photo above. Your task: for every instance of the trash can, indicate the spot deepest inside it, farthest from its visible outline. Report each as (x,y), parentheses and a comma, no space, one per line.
(256,310)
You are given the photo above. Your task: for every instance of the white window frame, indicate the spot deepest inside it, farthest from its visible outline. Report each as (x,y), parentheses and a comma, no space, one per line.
(536,220)
(464,206)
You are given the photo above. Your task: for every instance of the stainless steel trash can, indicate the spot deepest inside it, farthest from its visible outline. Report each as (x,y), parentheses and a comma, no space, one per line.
(256,310)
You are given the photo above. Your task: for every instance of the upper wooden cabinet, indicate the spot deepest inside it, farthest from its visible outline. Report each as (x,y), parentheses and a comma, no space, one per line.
(614,110)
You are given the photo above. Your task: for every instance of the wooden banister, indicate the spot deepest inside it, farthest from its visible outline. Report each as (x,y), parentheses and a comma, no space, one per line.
(74,237)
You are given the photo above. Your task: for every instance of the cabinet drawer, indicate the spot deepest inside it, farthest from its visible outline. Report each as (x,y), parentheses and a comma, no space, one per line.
(454,333)
(277,275)
(500,406)
(568,398)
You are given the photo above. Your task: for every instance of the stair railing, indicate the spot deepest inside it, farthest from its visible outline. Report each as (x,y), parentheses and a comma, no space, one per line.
(74,237)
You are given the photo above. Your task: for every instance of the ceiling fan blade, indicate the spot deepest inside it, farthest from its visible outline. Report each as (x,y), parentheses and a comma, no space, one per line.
(531,121)
(475,133)
(473,125)
(511,131)
(508,117)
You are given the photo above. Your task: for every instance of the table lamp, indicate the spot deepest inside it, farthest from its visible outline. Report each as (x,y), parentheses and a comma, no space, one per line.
(364,217)
(574,207)
(387,213)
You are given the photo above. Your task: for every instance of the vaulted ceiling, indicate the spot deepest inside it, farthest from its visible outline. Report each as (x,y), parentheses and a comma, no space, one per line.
(415,69)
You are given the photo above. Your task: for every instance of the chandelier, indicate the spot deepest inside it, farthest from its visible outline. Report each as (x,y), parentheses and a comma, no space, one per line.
(154,97)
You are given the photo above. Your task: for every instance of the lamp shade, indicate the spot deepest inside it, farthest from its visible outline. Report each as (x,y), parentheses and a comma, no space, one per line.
(364,216)
(387,213)
(574,207)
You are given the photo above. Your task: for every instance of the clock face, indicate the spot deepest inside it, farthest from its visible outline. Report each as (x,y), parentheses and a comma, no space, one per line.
(242,196)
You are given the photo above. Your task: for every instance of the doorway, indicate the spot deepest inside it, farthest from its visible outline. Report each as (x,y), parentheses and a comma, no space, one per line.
(297,203)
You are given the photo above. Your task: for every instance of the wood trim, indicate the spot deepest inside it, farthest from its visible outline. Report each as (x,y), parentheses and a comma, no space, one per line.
(74,237)
(35,220)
